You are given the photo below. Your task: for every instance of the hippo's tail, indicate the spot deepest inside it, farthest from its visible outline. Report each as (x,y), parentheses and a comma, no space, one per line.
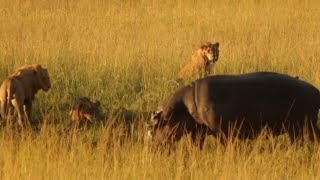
(319,101)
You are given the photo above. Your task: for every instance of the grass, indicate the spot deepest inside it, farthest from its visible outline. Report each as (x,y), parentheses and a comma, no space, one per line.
(125,54)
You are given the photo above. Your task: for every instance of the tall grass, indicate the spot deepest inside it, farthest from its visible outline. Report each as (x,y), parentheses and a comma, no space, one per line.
(125,54)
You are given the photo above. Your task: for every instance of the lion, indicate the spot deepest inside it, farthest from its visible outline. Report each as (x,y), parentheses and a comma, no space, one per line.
(19,89)
(85,110)
(201,62)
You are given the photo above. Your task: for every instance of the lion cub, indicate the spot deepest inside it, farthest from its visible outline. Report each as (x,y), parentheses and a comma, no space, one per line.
(85,110)
(201,62)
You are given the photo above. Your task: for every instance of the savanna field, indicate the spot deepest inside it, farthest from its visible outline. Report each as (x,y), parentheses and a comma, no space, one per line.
(125,54)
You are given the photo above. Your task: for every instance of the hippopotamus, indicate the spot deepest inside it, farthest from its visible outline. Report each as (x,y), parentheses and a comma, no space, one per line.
(242,105)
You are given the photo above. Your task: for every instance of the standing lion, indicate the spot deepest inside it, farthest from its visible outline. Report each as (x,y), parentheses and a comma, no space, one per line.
(201,62)
(19,89)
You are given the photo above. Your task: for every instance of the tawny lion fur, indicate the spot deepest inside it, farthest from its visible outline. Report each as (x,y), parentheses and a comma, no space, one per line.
(84,109)
(19,89)
(201,62)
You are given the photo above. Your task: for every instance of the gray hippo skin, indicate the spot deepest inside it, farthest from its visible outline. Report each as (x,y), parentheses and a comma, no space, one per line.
(248,102)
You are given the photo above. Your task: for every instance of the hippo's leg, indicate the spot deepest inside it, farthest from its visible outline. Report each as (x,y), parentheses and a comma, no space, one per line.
(199,136)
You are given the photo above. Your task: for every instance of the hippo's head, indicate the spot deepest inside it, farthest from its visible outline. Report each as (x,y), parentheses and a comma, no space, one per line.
(159,129)
(168,125)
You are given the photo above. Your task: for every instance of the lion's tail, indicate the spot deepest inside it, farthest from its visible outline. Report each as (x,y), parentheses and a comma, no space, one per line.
(7,98)
(9,95)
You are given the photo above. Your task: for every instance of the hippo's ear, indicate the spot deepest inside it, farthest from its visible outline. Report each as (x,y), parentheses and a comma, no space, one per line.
(155,117)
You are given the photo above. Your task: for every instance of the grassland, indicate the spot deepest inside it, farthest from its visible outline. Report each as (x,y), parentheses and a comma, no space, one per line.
(125,54)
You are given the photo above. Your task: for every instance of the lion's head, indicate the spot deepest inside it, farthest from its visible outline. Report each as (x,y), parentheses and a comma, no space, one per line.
(34,71)
(211,51)
(43,78)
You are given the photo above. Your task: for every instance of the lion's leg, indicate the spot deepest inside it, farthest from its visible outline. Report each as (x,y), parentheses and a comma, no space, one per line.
(27,111)
(207,70)
(203,71)
(200,74)
(6,111)
(3,109)
(9,112)
(18,105)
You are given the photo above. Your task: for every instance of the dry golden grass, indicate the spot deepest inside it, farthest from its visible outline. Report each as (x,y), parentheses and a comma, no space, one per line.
(125,54)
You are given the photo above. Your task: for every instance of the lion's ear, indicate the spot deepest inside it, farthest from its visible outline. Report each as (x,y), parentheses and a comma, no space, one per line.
(206,45)
(217,44)
(36,68)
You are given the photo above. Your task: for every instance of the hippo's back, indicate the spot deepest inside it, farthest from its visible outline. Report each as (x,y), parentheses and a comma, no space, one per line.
(260,87)
(260,99)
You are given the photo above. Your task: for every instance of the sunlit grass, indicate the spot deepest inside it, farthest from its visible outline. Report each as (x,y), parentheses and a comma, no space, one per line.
(125,54)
